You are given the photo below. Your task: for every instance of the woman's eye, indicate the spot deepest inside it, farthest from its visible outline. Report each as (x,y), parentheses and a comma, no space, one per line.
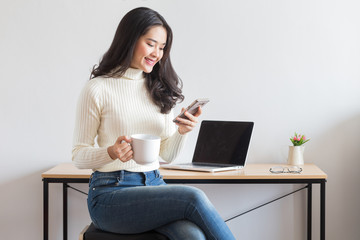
(150,45)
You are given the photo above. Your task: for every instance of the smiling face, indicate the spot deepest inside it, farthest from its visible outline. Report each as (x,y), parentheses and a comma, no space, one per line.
(149,49)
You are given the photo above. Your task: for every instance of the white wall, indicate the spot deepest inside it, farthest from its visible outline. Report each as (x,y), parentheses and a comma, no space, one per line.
(286,65)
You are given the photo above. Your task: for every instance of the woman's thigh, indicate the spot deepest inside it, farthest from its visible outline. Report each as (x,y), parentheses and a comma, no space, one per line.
(143,208)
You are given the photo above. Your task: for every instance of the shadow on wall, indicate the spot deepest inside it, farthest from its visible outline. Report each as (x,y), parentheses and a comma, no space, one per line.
(21,205)
(337,153)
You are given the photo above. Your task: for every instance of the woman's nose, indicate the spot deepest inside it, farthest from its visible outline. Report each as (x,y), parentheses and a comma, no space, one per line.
(156,52)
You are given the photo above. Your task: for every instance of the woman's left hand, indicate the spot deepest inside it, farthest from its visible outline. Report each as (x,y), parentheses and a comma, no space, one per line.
(186,125)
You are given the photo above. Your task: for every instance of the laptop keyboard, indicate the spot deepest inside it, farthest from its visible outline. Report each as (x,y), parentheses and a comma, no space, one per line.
(207,165)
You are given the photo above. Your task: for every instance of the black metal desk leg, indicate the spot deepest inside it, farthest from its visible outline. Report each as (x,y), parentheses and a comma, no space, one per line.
(309,213)
(322,210)
(65,211)
(46,208)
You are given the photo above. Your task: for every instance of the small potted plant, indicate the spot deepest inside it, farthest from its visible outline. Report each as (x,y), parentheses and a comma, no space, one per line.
(296,152)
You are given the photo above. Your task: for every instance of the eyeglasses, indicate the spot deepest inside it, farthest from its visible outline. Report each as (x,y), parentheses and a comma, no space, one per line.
(280,169)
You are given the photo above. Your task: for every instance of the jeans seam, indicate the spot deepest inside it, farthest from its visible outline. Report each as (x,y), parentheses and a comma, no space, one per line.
(202,219)
(166,233)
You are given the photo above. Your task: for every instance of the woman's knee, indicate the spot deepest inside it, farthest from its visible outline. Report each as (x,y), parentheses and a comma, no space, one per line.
(195,195)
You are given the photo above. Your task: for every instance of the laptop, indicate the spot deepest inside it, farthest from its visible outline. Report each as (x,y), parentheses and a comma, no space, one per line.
(220,146)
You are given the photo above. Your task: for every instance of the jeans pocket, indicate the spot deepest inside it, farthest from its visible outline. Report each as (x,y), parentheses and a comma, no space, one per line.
(90,179)
(157,180)
(157,174)
(99,180)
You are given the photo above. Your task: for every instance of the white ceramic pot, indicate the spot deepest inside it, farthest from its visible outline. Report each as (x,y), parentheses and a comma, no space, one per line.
(296,155)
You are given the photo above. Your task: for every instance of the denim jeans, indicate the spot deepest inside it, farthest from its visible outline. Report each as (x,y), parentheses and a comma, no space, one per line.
(134,202)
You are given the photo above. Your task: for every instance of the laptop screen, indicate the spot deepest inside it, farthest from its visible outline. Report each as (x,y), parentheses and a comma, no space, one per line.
(223,142)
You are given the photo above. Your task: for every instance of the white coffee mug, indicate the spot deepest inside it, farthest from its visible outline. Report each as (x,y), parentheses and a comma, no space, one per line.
(146,148)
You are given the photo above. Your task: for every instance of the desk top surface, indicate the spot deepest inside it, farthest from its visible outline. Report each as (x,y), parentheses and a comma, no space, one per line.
(250,171)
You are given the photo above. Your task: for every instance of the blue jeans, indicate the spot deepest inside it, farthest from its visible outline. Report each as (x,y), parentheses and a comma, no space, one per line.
(134,202)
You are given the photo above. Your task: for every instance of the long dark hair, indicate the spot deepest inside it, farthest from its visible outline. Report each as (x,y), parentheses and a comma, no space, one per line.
(162,82)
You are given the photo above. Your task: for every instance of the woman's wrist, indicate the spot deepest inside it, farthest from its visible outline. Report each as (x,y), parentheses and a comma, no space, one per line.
(181,132)
(111,153)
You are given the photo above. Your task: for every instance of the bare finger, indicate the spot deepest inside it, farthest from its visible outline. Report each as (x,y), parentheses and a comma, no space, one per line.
(127,156)
(198,113)
(191,117)
(186,122)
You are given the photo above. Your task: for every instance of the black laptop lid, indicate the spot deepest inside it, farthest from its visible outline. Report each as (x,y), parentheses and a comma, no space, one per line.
(224,142)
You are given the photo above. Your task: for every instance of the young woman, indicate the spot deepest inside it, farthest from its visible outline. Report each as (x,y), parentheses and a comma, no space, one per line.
(134,90)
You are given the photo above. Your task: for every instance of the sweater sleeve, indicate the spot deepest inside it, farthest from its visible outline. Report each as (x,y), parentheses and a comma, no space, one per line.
(172,141)
(84,153)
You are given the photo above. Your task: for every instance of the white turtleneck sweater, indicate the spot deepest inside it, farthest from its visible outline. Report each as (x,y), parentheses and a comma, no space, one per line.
(112,107)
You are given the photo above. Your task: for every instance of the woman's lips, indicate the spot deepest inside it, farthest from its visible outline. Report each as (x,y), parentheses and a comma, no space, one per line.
(150,61)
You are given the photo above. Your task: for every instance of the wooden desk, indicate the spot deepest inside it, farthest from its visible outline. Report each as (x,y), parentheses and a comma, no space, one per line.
(252,174)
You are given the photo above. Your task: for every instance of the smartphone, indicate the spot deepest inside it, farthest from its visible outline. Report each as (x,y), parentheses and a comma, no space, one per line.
(193,107)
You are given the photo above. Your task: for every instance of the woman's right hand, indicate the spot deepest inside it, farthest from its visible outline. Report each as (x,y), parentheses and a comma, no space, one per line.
(121,149)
